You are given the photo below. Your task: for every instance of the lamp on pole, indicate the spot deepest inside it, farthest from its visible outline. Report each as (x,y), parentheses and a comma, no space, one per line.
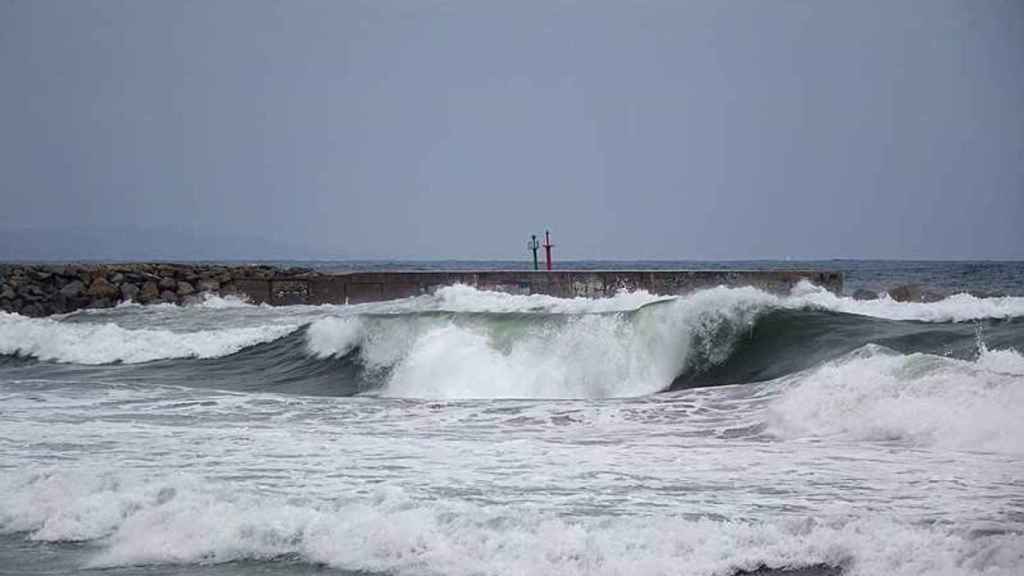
(533,245)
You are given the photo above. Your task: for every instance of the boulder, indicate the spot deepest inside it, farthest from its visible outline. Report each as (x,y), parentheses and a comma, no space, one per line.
(168,296)
(31,292)
(33,310)
(168,283)
(914,293)
(862,294)
(100,303)
(208,285)
(184,289)
(7,293)
(129,291)
(101,288)
(116,278)
(150,292)
(192,299)
(73,289)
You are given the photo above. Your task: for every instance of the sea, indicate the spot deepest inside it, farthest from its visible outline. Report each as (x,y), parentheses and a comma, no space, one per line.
(470,433)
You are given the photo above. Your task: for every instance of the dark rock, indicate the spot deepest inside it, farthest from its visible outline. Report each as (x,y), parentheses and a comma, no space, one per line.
(31,292)
(150,292)
(73,289)
(101,288)
(42,275)
(191,299)
(168,283)
(184,289)
(914,293)
(33,310)
(7,293)
(862,294)
(208,286)
(129,291)
(116,278)
(100,303)
(168,296)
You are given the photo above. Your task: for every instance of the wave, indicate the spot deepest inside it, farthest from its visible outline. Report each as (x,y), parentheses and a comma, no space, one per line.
(877,394)
(90,343)
(184,519)
(466,343)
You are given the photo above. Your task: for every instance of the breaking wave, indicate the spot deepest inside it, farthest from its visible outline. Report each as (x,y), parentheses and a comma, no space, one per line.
(877,394)
(84,343)
(466,343)
(182,519)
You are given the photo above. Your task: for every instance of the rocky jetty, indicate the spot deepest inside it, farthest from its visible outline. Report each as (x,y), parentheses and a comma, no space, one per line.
(41,290)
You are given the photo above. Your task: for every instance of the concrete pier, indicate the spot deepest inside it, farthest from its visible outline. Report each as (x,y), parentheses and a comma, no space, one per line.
(358,287)
(40,290)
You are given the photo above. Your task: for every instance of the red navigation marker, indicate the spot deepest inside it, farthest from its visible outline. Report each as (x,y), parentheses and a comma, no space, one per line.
(548,246)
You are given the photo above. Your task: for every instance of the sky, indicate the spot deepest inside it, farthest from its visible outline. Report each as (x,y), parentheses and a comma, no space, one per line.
(419,129)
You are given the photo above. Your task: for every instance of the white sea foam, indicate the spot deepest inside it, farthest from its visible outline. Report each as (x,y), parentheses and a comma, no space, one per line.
(94,343)
(462,298)
(955,308)
(334,336)
(183,520)
(877,394)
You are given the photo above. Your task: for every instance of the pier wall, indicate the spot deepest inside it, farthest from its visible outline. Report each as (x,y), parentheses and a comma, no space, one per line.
(40,290)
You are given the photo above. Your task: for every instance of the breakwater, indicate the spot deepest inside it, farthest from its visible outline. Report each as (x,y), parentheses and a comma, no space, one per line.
(40,290)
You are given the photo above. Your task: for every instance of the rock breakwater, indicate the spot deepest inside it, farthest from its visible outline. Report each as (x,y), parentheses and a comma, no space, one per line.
(41,290)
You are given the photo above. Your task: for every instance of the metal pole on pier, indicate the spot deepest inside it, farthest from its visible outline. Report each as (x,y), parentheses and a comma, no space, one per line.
(547,247)
(533,245)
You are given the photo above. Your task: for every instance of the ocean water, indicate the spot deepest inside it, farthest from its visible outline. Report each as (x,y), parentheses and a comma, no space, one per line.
(724,432)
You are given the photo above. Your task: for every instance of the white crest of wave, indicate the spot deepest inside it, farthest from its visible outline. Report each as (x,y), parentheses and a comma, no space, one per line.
(334,336)
(93,343)
(180,519)
(629,345)
(877,394)
(576,356)
(955,308)
(463,298)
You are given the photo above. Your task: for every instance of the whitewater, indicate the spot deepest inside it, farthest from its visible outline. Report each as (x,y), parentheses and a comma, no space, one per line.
(728,431)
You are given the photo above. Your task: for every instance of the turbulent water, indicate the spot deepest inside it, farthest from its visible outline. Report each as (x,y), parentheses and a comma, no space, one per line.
(476,433)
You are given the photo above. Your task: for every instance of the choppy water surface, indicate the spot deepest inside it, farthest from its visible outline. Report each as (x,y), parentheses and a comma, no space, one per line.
(478,433)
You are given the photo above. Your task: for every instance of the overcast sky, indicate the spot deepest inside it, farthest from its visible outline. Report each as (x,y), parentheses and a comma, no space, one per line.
(426,129)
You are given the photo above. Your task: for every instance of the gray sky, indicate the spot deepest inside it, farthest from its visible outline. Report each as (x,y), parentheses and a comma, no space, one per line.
(424,129)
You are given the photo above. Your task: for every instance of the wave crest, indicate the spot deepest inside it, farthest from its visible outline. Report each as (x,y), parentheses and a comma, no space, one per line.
(92,343)
(877,394)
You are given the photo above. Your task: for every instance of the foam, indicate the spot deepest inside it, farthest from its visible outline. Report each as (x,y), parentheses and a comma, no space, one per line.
(93,343)
(955,308)
(180,520)
(462,298)
(877,394)
(334,337)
